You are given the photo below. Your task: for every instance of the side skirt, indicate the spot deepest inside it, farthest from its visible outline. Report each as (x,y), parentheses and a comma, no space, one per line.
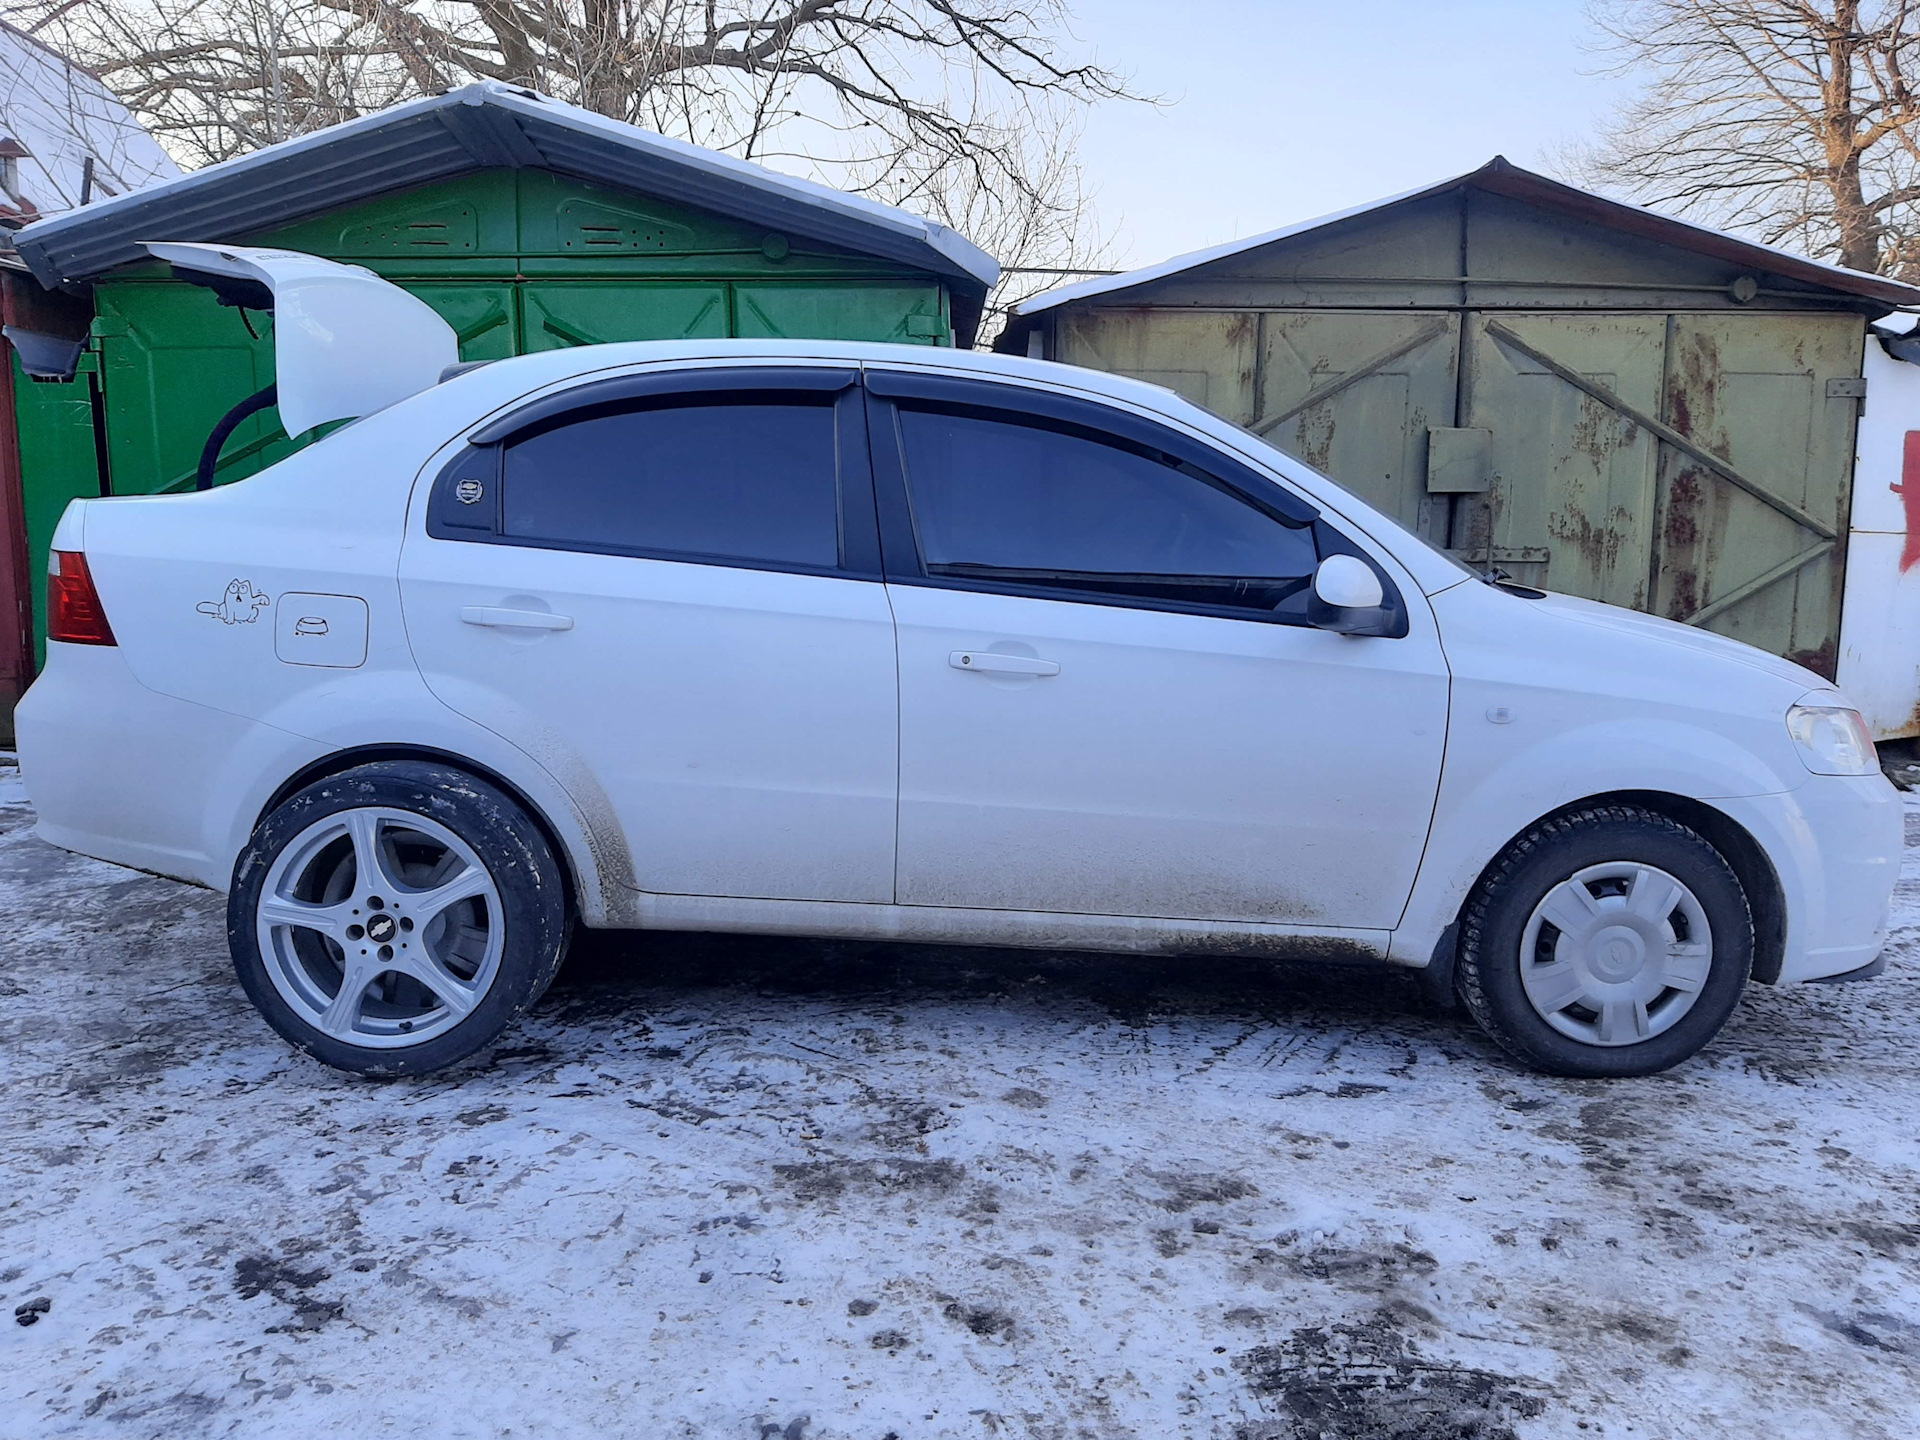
(1022,929)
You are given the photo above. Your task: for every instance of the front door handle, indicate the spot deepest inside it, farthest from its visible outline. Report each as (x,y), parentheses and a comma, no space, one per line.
(992,662)
(494,615)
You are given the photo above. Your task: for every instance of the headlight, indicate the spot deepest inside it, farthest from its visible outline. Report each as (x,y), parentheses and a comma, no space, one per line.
(1833,740)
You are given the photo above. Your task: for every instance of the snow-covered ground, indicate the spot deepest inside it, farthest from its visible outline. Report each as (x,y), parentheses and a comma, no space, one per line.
(770,1190)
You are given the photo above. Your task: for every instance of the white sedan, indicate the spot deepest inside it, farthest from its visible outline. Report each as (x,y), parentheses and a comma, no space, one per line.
(884,642)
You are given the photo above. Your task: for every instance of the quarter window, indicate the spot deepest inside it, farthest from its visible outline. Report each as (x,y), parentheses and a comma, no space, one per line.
(997,500)
(726,478)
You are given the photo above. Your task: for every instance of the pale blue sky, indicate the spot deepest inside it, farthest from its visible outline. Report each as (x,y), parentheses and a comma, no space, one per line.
(1281,110)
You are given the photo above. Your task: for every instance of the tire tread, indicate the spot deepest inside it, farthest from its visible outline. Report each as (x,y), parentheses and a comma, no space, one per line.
(1488,894)
(457,800)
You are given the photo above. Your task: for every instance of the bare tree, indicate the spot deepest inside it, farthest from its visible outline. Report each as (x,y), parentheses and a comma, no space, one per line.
(1043,235)
(965,110)
(1795,120)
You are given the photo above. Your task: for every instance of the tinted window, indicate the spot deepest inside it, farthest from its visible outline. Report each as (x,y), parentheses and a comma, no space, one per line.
(1026,504)
(744,480)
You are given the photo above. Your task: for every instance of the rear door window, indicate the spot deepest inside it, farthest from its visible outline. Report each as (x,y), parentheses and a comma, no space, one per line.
(750,479)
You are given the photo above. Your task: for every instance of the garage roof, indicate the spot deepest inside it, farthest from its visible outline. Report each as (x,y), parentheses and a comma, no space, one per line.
(1501,177)
(485,126)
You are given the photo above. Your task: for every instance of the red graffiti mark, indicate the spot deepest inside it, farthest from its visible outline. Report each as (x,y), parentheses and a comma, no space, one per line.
(1909,492)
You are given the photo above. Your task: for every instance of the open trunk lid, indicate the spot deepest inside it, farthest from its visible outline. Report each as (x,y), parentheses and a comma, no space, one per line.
(345,342)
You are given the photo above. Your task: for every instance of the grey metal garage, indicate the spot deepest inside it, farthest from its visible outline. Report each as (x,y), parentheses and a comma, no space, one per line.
(1588,395)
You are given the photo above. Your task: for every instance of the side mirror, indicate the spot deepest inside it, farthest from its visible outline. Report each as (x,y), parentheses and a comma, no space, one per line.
(1347,598)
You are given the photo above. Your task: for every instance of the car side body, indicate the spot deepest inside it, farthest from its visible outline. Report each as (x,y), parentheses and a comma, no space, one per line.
(1385,773)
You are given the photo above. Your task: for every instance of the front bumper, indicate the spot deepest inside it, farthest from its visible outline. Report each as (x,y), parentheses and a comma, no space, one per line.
(1873,970)
(1835,844)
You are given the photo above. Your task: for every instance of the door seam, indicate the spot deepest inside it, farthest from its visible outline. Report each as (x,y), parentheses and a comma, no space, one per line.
(899,739)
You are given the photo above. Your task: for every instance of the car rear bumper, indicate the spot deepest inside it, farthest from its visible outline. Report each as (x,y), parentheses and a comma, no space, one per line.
(1835,844)
(122,773)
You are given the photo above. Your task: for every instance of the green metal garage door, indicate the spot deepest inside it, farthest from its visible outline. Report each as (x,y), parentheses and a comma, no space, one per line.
(173,360)
(559,313)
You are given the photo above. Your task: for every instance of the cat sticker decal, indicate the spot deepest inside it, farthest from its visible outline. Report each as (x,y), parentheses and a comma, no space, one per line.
(240,605)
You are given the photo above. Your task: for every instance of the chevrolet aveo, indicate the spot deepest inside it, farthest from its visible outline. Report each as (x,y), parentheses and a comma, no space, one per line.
(873,641)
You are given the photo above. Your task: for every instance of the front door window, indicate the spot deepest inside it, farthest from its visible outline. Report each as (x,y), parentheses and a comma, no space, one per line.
(1045,507)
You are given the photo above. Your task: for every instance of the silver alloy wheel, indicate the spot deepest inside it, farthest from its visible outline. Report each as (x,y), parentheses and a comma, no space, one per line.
(380,927)
(1616,953)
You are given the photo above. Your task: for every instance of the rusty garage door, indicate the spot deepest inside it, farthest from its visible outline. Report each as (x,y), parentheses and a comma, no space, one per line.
(1565,495)
(1694,465)
(1697,466)
(1752,546)
(1351,392)
(1355,394)
(1208,356)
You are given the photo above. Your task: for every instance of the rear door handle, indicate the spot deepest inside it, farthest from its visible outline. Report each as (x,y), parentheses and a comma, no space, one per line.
(515,619)
(992,662)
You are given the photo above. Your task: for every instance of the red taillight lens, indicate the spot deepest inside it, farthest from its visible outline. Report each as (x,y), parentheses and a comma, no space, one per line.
(74,611)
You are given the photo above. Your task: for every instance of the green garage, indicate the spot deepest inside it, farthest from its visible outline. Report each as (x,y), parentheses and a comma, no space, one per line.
(527,223)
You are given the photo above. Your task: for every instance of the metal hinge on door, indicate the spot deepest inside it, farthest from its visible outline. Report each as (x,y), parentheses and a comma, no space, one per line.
(1847,387)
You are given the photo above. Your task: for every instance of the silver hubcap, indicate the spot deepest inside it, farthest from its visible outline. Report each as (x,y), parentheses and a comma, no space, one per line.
(380,927)
(1616,954)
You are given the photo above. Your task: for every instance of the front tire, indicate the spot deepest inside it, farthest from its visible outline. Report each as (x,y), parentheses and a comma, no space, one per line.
(1612,941)
(396,918)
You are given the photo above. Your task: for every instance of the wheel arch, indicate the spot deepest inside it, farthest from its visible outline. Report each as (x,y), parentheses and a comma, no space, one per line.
(1751,866)
(340,761)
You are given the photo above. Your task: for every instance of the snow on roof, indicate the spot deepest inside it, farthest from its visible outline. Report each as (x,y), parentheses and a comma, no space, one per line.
(479,126)
(1503,177)
(58,115)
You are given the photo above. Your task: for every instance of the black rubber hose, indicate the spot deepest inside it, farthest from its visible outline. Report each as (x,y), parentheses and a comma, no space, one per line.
(210,452)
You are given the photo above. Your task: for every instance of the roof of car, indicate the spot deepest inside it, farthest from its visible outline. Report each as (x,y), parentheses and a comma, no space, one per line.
(485,125)
(556,365)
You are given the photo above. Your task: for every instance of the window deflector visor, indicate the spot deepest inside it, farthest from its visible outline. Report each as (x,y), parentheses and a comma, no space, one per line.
(1206,462)
(647,385)
(345,342)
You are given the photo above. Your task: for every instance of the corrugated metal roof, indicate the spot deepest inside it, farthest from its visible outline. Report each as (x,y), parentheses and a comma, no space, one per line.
(478,127)
(1502,177)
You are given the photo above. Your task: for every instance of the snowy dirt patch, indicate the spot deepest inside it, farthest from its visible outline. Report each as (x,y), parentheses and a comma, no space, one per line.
(729,1188)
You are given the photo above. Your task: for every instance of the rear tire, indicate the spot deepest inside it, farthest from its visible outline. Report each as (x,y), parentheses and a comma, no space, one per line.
(397,917)
(1612,941)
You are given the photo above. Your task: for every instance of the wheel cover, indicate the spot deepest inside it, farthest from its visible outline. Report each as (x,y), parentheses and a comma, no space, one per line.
(1616,954)
(380,927)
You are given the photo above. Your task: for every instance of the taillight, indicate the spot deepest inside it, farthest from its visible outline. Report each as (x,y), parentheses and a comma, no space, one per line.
(74,611)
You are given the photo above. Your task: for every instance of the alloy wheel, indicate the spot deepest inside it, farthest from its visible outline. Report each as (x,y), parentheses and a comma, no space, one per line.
(380,927)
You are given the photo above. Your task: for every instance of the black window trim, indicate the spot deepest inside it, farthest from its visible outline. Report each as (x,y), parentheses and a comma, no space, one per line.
(858,525)
(899,542)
